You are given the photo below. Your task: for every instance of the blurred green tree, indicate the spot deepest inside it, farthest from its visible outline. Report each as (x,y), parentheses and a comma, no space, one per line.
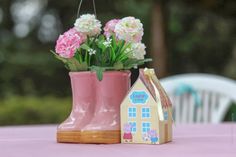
(181,36)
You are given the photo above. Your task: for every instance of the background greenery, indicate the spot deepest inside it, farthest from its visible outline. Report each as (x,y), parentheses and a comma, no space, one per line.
(200,37)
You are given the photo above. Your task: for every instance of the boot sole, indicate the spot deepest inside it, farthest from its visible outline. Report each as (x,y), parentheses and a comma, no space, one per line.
(96,137)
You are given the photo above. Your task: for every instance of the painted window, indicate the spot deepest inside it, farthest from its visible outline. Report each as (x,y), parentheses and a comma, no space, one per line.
(165,115)
(134,127)
(146,127)
(145,112)
(132,112)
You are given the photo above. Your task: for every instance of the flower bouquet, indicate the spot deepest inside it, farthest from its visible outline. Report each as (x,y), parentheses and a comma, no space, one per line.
(98,64)
(84,48)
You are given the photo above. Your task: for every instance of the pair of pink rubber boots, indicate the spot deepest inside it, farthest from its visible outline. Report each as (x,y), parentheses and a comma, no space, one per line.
(95,115)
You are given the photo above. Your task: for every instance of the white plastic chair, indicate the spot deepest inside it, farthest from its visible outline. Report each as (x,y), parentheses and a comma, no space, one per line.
(215,92)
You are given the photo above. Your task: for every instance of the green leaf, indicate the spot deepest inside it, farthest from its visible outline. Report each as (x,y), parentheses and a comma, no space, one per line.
(86,57)
(78,55)
(73,64)
(100,74)
(130,63)
(121,57)
(114,45)
(67,67)
(83,66)
(64,60)
(118,66)
(120,45)
(85,47)
(101,46)
(76,66)
(113,55)
(99,71)
(127,45)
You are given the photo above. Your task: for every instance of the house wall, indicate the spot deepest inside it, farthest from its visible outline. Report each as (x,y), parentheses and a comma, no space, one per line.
(153,119)
(165,128)
(170,124)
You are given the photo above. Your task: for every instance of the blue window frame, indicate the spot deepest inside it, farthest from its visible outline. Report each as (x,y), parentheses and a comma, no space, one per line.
(146,127)
(145,112)
(132,112)
(134,127)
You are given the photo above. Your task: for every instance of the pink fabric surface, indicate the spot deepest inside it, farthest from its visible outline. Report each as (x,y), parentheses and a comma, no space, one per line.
(189,141)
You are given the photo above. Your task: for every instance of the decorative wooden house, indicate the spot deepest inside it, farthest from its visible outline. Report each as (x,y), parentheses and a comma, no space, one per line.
(146,112)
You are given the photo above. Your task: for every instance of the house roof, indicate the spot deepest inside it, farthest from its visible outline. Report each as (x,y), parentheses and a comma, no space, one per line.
(165,101)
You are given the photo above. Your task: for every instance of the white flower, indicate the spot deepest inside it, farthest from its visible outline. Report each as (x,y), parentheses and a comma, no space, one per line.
(129,29)
(88,25)
(107,43)
(137,50)
(92,52)
(128,50)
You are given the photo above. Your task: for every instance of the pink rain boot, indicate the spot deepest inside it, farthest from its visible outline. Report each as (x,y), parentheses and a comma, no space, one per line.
(95,116)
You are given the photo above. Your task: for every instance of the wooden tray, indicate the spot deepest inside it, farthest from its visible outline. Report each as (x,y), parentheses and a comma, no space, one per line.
(99,137)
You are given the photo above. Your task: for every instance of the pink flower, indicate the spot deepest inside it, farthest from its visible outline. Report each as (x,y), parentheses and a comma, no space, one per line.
(68,43)
(110,27)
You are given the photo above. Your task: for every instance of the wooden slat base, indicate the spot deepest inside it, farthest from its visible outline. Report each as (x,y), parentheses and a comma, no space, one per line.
(106,137)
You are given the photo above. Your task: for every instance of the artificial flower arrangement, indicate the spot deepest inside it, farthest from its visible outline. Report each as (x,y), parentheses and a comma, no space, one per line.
(84,47)
(95,115)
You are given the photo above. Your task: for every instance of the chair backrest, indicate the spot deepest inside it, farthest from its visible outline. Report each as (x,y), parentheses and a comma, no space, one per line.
(215,93)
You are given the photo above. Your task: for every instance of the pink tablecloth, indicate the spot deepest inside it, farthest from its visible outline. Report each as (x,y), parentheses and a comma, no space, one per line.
(189,141)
